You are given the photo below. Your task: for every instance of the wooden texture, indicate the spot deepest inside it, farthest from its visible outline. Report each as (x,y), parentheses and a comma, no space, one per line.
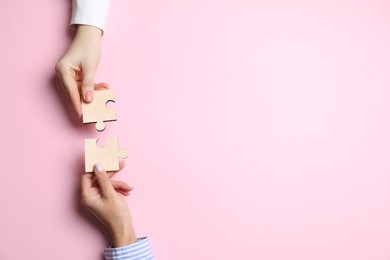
(108,156)
(97,111)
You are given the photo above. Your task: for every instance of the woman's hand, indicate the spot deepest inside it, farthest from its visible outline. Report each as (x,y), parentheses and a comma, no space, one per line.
(76,69)
(103,197)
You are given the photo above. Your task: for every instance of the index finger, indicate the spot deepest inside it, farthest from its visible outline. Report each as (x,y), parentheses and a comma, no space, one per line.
(86,181)
(70,85)
(68,79)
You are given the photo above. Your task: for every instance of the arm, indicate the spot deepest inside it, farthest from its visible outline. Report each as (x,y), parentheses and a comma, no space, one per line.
(76,68)
(103,197)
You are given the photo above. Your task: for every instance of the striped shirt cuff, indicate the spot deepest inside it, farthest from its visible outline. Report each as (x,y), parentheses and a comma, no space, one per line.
(140,250)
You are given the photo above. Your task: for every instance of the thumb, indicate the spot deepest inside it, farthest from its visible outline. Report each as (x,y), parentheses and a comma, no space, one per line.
(88,84)
(103,181)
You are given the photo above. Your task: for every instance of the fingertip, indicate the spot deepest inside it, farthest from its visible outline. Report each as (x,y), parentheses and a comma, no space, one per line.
(99,168)
(78,109)
(102,85)
(128,188)
(79,114)
(88,96)
(121,165)
(124,193)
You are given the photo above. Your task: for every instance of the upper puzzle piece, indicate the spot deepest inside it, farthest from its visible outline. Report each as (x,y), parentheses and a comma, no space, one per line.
(108,155)
(97,111)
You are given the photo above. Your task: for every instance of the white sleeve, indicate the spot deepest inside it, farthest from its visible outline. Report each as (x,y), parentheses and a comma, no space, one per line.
(90,12)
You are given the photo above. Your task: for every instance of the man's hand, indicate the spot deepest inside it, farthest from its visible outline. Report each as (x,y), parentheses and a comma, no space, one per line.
(103,197)
(76,69)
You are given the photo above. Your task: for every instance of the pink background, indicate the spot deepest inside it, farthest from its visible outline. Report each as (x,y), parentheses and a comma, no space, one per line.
(256,129)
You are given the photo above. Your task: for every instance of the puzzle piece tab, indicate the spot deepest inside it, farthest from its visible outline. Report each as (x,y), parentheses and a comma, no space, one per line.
(97,111)
(108,156)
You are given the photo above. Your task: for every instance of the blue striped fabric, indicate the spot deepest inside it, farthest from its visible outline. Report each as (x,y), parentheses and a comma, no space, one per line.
(137,251)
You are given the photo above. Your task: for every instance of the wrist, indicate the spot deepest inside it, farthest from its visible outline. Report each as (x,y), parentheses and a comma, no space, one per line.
(123,236)
(87,32)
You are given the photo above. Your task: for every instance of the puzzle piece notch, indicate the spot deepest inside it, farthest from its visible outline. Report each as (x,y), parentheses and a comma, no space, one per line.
(108,155)
(97,111)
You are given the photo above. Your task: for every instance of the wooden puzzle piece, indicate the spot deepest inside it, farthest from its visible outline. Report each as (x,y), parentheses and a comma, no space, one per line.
(97,111)
(108,156)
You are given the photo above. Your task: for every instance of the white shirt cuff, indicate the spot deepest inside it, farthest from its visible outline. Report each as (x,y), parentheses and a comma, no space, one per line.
(90,12)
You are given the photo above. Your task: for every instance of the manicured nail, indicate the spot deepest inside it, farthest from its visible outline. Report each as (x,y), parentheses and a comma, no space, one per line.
(99,168)
(88,96)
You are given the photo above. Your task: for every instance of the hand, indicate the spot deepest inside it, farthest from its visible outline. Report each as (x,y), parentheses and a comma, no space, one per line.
(103,197)
(76,69)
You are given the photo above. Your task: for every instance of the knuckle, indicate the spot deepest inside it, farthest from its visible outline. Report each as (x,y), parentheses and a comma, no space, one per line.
(60,66)
(88,83)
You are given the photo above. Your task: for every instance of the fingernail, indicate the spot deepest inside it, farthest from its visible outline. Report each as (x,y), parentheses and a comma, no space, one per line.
(88,96)
(99,168)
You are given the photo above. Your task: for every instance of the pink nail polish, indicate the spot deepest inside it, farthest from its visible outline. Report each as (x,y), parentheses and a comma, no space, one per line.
(89,96)
(99,167)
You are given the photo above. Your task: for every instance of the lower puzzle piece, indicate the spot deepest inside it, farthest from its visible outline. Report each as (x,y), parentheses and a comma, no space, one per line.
(97,111)
(108,156)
